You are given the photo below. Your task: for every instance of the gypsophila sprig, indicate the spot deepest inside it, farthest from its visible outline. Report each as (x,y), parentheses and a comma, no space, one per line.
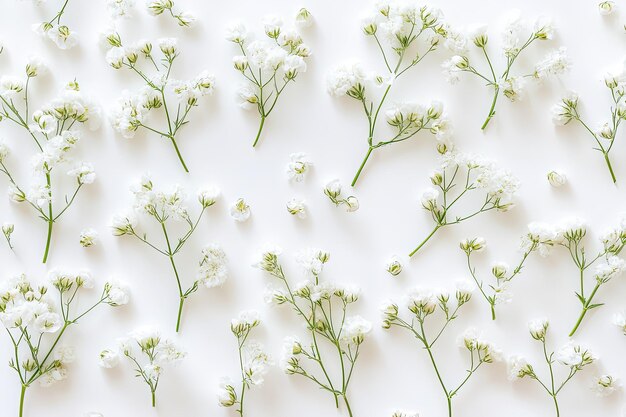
(268,65)
(423,304)
(253,362)
(169,209)
(459,176)
(53,130)
(518,35)
(573,356)
(148,352)
(498,292)
(403,32)
(62,36)
(323,307)
(36,317)
(332,189)
(605,133)
(166,7)
(7,231)
(88,238)
(570,234)
(174,98)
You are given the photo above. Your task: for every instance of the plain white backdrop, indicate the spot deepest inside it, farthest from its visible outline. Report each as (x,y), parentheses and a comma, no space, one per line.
(393,371)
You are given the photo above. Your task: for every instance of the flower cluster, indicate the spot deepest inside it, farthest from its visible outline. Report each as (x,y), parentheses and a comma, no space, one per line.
(423,304)
(333,192)
(572,356)
(604,134)
(148,352)
(405,35)
(161,7)
(458,176)
(254,362)
(133,109)
(53,130)
(323,308)
(570,234)
(36,324)
(268,65)
(162,207)
(499,292)
(53,30)
(517,36)
(7,231)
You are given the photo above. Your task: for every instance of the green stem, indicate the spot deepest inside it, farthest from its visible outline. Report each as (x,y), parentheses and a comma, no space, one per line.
(258,135)
(45,254)
(358,173)
(493,311)
(345,400)
(180,157)
(492,111)
(22,395)
(425,240)
(153,398)
(585,309)
(556,406)
(608,164)
(180,313)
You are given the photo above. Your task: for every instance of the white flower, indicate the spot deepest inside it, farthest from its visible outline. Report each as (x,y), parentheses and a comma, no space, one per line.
(429,197)
(304,18)
(345,79)
(35,66)
(557,178)
(246,96)
(109,359)
(118,292)
(10,86)
(213,270)
(119,8)
(58,373)
(240,210)
(354,330)
(83,172)
(298,166)
(88,237)
(256,363)
(123,224)
(605,385)
(518,368)
(606,8)
(555,63)
(394,266)
(208,196)
(612,267)
(296,207)
(574,355)
(312,260)
(538,328)
(63,37)
(236,32)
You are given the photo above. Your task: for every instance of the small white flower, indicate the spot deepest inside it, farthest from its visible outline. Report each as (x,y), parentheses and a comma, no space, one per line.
(65,354)
(304,18)
(605,385)
(538,328)
(619,319)
(297,207)
(298,167)
(240,210)
(118,292)
(88,237)
(606,8)
(557,178)
(213,270)
(394,266)
(355,329)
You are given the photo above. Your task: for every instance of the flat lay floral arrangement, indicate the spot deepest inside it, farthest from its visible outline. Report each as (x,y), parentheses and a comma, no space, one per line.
(244,209)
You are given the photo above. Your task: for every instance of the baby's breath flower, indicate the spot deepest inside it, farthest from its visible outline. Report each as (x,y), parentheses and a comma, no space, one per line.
(88,238)
(538,328)
(213,270)
(557,178)
(7,231)
(605,385)
(296,207)
(240,210)
(333,192)
(304,18)
(394,266)
(606,7)
(298,167)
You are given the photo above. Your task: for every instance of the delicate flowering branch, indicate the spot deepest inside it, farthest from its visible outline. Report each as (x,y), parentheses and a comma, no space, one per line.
(162,207)
(157,352)
(253,362)
(571,355)
(268,67)
(422,304)
(409,34)
(516,38)
(604,136)
(51,130)
(332,190)
(457,178)
(62,36)
(7,231)
(160,7)
(570,235)
(35,324)
(323,308)
(133,110)
(496,293)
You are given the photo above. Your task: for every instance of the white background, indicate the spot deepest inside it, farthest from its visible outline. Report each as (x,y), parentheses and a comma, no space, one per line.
(393,371)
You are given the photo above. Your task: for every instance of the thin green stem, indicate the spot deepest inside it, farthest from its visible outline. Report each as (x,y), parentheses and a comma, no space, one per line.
(180,157)
(258,135)
(492,109)
(22,396)
(425,240)
(358,173)
(586,307)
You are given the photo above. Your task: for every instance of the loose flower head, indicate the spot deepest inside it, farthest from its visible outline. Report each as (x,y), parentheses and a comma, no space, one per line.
(88,238)
(333,192)
(557,178)
(297,207)
(240,210)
